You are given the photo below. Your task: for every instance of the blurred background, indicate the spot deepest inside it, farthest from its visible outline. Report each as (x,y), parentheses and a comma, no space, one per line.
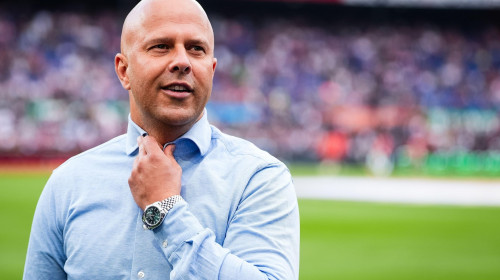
(385,86)
(372,88)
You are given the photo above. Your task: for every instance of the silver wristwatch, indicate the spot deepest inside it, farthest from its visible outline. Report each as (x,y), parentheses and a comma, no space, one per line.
(155,213)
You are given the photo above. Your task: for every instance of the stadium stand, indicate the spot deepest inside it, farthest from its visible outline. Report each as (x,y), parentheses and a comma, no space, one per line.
(386,94)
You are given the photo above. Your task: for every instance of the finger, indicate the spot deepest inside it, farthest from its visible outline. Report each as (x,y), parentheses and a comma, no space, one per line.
(135,166)
(169,150)
(150,144)
(140,143)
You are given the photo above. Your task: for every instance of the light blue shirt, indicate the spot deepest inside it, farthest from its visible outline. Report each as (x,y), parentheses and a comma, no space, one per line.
(240,218)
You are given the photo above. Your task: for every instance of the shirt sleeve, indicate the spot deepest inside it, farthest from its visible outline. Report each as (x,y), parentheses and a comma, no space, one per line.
(45,256)
(262,240)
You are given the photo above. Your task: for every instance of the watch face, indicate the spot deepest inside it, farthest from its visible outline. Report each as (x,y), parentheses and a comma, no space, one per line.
(152,215)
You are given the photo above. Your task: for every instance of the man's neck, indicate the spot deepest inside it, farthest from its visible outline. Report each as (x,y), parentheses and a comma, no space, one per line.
(165,133)
(162,132)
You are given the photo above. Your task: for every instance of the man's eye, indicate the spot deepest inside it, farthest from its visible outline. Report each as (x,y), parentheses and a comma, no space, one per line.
(198,49)
(160,46)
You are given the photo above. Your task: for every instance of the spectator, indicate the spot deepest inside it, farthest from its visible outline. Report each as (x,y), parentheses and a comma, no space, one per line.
(289,81)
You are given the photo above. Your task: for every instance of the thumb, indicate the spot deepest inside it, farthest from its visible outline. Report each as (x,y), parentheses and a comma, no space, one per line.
(169,150)
(150,144)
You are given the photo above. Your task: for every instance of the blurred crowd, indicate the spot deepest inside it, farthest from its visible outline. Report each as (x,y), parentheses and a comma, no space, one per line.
(376,95)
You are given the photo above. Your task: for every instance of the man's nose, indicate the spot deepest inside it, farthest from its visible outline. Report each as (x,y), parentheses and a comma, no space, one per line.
(180,61)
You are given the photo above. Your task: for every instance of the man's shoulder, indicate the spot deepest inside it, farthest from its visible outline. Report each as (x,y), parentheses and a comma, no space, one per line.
(112,148)
(239,147)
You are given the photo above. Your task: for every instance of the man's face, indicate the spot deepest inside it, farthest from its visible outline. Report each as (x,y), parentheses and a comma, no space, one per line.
(170,64)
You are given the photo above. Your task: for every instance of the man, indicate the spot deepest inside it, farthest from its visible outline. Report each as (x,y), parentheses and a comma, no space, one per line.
(174,198)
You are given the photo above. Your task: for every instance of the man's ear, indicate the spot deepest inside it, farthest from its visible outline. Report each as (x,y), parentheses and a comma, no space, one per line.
(121,65)
(214,64)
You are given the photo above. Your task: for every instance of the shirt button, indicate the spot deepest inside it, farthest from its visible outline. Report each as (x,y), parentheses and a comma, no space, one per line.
(144,227)
(164,244)
(141,274)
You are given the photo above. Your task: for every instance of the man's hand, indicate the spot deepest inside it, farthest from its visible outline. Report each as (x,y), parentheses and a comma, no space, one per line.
(155,174)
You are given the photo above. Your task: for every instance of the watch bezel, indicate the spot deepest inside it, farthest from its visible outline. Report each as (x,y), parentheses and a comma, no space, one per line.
(157,221)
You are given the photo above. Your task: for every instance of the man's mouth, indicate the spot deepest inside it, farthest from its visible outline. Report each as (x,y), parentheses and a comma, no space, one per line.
(178,87)
(178,90)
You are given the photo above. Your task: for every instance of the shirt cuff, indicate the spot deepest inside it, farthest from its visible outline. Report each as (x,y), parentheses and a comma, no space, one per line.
(179,226)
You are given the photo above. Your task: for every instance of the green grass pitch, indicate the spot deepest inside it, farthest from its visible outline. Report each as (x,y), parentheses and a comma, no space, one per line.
(339,240)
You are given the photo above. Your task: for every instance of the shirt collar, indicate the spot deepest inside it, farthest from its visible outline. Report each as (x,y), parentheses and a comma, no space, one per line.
(197,138)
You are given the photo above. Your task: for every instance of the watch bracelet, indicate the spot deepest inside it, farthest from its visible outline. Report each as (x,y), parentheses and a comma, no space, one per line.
(169,203)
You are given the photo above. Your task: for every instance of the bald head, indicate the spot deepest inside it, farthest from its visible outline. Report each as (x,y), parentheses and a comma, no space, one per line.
(167,65)
(151,11)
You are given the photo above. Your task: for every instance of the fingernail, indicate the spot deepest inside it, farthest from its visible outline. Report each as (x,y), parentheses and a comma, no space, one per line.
(168,144)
